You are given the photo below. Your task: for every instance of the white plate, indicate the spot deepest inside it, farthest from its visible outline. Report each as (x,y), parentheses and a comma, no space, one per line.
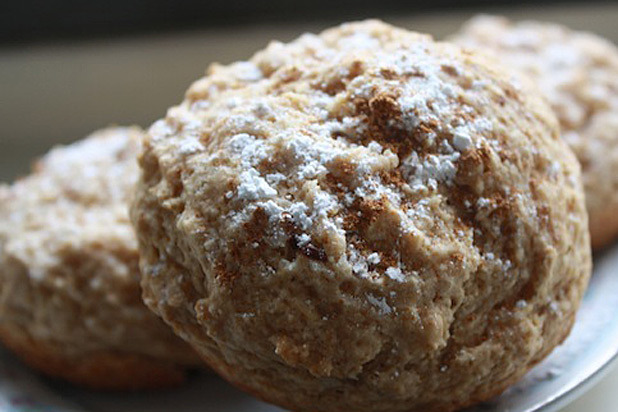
(565,374)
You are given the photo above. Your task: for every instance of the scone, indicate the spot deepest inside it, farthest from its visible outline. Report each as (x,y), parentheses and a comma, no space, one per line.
(363,220)
(578,73)
(70,300)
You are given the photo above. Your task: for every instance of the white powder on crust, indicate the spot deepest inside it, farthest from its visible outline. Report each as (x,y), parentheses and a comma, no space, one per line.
(373,258)
(247,71)
(461,140)
(252,186)
(427,97)
(379,303)
(395,273)
(428,172)
(190,145)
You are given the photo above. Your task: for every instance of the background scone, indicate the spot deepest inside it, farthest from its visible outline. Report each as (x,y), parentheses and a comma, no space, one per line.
(70,301)
(363,220)
(578,73)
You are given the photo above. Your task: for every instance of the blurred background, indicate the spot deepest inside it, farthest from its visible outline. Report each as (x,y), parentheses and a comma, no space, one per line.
(69,67)
(36,20)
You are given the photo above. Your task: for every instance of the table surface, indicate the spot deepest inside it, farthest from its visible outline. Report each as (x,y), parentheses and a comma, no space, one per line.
(57,93)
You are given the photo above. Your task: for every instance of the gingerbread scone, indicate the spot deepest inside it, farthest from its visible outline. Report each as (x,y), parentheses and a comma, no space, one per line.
(578,73)
(363,220)
(70,300)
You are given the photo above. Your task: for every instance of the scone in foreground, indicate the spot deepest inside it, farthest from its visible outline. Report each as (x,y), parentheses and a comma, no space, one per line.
(363,220)
(578,73)
(70,301)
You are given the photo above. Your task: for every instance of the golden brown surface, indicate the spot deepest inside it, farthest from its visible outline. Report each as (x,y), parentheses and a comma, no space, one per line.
(578,73)
(70,300)
(98,370)
(363,220)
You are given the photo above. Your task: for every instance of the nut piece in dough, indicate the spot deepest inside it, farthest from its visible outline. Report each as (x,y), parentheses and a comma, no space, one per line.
(578,73)
(70,300)
(363,220)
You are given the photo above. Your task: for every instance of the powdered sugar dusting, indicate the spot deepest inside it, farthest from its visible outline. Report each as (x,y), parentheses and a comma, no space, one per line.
(462,140)
(287,170)
(373,258)
(395,274)
(379,303)
(252,186)
(429,172)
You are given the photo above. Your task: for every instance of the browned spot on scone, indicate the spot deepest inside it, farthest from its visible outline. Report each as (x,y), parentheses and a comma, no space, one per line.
(307,249)
(383,109)
(256,226)
(225,276)
(98,370)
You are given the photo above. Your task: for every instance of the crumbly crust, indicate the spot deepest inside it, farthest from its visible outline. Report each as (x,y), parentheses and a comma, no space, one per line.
(363,220)
(578,73)
(105,370)
(70,300)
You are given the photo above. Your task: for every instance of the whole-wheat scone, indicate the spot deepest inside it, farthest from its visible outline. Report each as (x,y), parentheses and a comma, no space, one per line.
(70,300)
(578,73)
(363,220)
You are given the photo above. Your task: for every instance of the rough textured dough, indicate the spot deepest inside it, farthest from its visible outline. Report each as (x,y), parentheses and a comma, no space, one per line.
(578,73)
(363,220)
(70,301)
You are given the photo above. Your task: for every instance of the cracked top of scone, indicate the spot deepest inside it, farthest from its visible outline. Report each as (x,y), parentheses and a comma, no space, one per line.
(363,215)
(68,256)
(578,73)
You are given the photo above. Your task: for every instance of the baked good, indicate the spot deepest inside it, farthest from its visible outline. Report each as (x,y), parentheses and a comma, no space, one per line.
(578,73)
(70,300)
(363,220)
